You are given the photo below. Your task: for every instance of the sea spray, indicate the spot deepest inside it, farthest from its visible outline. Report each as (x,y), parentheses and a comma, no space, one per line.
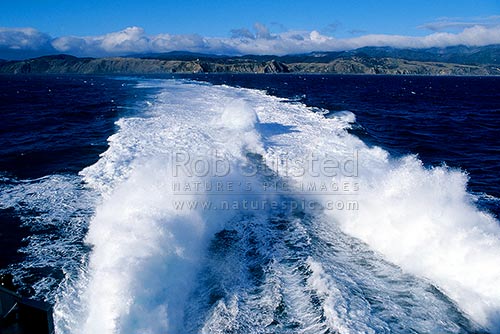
(146,250)
(148,256)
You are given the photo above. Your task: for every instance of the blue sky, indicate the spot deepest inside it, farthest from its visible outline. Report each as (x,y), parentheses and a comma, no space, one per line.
(217,18)
(277,20)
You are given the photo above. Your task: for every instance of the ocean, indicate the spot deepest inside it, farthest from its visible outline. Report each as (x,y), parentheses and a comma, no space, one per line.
(253,203)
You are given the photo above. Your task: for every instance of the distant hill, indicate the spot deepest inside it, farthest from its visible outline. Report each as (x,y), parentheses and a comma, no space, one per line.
(454,54)
(458,60)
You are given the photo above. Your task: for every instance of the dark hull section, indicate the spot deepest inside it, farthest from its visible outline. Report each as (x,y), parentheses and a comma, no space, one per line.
(20,315)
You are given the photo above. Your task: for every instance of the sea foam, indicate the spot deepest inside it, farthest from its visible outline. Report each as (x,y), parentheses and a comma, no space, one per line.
(420,218)
(147,253)
(145,250)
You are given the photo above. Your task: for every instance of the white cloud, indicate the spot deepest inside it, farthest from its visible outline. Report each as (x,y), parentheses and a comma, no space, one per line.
(129,40)
(23,39)
(135,40)
(20,43)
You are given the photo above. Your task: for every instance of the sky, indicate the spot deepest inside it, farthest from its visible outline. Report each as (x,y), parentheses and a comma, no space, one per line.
(108,28)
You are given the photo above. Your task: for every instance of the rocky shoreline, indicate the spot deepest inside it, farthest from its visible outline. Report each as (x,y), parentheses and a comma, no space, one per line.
(350,64)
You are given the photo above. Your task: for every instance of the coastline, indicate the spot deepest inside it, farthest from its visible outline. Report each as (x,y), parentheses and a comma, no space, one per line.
(65,64)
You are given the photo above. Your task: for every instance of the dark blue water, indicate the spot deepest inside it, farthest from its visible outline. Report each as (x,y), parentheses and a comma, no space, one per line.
(59,125)
(51,125)
(55,124)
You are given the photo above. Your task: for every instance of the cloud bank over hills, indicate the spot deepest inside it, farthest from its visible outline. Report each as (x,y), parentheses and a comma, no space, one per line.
(18,43)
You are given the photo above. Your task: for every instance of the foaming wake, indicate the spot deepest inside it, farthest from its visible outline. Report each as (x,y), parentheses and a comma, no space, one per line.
(421,219)
(145,250)
(158,266)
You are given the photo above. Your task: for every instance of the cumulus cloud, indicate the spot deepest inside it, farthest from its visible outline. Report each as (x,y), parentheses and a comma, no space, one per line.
(129,40)
(134,40)
(23,39)
(18,43)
